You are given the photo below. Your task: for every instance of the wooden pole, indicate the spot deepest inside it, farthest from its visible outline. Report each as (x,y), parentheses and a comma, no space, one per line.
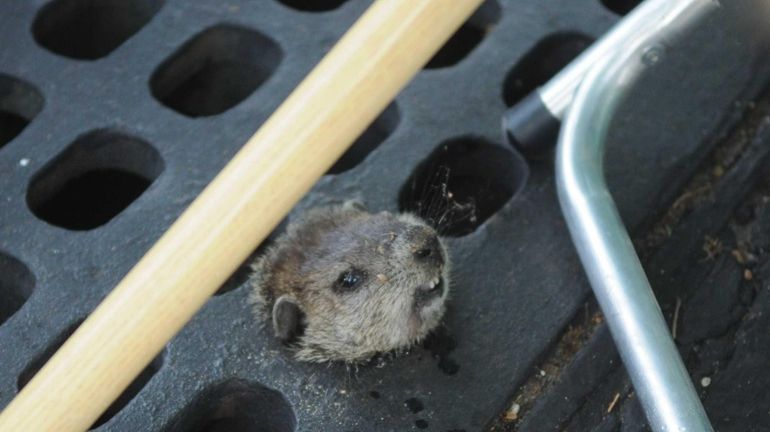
(275,168)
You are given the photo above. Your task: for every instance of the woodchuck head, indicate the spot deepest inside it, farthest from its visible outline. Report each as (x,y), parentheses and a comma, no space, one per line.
(344,284)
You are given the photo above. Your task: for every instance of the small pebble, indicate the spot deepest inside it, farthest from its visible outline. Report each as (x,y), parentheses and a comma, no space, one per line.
(740,257)
(513,412)
(24,162)
(748,275)
(705,381)
(542,373)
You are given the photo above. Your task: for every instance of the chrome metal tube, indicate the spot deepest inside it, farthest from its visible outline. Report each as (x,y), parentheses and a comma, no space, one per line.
(558,93)
(533,123)
(611,264)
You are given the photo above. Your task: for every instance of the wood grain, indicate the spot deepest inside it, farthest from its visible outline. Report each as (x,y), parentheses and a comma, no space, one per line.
(275,168)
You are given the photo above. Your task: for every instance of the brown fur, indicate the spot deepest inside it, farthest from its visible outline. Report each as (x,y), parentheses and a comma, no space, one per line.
(396,260)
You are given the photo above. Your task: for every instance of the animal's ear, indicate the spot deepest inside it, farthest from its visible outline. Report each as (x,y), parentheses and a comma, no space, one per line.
(287,319)
(354,205)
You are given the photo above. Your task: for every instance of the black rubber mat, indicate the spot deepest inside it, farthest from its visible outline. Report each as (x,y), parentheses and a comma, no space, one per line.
(114,114)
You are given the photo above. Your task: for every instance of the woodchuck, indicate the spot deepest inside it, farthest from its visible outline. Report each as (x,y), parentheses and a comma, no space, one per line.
(343,284)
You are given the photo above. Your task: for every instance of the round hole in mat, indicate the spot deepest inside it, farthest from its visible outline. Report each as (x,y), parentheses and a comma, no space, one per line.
(215,70)
(372,137)
(620,7)
(313,5)
(462,183)
(467,37)
(16,285)
(236,405)
(90,29)
(93,180)
(541,63)
(129,393)
(20,102)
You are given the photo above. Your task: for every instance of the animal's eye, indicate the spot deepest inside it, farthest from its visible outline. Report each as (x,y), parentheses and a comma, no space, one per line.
(349,280)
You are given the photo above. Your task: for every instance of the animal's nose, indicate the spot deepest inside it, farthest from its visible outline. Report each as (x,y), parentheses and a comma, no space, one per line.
(430,251)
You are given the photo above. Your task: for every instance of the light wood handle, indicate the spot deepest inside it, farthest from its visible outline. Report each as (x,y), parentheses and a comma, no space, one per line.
(258,187)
